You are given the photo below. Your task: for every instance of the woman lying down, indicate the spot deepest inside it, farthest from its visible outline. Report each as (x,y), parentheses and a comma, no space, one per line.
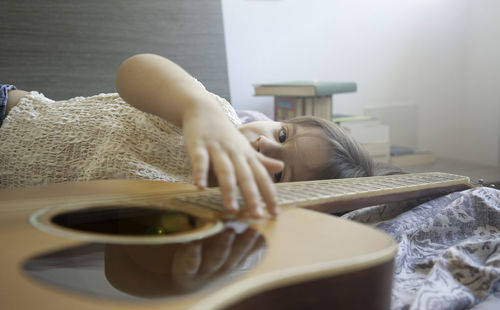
(164,125)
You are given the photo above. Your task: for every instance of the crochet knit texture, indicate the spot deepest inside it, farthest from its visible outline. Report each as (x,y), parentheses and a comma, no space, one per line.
(88,138)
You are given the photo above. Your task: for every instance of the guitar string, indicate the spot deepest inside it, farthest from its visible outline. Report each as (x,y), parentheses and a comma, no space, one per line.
(288,193)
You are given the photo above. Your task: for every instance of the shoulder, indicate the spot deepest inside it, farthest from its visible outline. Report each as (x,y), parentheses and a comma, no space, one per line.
(23,100)
(13,96)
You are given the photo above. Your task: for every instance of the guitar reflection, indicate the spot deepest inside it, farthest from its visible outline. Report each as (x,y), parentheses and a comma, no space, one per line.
(177,268)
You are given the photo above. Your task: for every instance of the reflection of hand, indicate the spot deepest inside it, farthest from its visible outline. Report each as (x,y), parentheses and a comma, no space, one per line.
(166,269)
(211,139)
(195,263)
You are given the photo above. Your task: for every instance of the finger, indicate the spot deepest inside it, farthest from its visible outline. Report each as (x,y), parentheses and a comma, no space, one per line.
(272,165)
(200,164)
(258,246)
(216,252)
(186,263)
(266,186)
(223,169)
(241,248)
(248,188)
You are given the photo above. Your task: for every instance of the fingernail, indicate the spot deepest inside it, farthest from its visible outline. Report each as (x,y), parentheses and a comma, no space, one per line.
(202,182)
(258,213)
(233,205)
(276,211)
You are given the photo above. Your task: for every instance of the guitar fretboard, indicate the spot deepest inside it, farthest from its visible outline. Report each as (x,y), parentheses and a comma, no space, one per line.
(336,195)
(303,194)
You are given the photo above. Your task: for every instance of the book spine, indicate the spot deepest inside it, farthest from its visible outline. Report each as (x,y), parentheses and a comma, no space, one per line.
(300,107)
(305,89)
(308,106)
(328,89)
(286,108)
(322,107)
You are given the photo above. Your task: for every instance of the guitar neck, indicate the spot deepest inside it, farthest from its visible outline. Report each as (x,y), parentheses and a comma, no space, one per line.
(339,195)
(332,196)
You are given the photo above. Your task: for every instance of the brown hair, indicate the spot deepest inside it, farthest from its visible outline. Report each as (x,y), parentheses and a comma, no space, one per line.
(349,158)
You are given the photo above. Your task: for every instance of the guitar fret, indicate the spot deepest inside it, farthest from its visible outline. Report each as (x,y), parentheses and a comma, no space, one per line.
(298,192)
(314,190)
(210,198)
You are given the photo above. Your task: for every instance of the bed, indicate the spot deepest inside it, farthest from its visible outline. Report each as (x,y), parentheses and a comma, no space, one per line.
(448,247)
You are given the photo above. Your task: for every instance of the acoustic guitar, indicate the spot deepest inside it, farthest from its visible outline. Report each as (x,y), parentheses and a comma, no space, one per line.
(129,244)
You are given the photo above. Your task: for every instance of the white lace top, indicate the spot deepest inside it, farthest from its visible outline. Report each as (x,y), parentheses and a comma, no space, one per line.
(87,138)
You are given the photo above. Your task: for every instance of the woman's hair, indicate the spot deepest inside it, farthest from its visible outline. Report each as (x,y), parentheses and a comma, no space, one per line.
(349,158)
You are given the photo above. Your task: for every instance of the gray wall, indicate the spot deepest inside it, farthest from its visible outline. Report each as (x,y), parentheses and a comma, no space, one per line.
(67,48)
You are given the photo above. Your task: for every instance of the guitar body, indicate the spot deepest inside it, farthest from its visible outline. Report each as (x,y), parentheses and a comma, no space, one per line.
(302,260)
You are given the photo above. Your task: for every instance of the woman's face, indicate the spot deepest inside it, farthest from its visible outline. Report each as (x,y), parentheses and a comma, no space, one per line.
(302,149)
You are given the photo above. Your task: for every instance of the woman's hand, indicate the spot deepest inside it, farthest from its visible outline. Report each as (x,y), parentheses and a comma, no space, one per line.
(156,85)
(213,142)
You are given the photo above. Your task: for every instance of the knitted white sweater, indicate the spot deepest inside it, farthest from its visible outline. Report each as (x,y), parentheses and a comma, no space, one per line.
(87,138)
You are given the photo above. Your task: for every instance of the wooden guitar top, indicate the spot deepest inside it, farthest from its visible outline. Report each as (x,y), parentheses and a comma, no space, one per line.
(301,246)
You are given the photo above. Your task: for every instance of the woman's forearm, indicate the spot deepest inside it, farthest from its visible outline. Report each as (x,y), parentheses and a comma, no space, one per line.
(157,85)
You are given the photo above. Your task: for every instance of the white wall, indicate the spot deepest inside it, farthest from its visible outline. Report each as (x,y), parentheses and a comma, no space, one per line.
(481,106)
(442,55)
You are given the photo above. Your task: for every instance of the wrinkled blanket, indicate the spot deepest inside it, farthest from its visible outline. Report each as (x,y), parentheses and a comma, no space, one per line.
(449,249)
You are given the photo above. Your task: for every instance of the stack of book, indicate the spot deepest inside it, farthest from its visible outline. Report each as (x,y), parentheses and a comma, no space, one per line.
(314,98)
(290,107)
(370,132)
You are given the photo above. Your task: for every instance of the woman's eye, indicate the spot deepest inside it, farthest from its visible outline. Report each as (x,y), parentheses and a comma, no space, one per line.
(282,135)
(277,177)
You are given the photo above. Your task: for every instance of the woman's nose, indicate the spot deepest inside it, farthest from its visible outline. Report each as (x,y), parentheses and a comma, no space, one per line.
(269,147)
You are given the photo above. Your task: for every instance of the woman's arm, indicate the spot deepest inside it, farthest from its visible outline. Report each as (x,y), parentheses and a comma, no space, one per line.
(156,85)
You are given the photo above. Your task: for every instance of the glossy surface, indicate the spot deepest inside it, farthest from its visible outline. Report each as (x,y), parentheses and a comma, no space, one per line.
(301,247)
(124,272)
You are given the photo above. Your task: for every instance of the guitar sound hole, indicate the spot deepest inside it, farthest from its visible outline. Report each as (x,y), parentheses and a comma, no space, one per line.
(134,221)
